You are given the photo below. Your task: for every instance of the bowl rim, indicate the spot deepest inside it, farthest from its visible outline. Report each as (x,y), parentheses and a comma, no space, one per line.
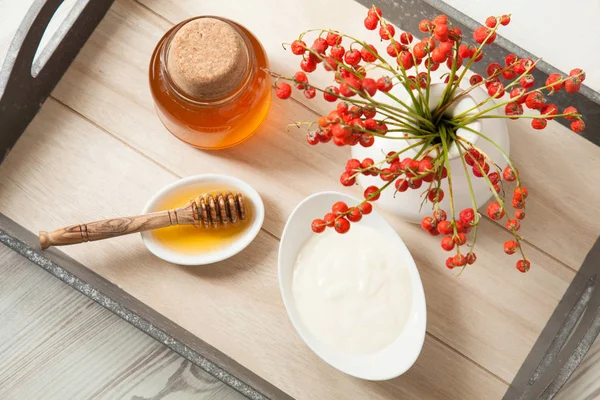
(418,306)
(230,251)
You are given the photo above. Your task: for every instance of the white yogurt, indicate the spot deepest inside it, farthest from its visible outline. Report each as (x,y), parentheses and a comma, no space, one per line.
(352,291)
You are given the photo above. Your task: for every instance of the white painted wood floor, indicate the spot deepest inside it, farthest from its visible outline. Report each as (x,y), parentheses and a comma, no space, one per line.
(55,343)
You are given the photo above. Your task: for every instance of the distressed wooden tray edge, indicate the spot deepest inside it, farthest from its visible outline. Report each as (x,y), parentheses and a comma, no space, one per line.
(155,325)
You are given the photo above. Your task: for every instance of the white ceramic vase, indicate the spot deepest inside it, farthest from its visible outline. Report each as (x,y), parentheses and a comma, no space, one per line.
(407,205)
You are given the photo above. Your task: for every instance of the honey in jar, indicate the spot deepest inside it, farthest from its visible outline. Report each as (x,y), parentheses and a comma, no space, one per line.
(209,82)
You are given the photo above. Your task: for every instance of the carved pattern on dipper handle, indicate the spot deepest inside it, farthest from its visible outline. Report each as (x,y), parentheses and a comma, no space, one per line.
(206,210)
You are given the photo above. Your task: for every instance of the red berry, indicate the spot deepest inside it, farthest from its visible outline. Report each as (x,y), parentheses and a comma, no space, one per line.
(572,85)
(298,47)
(352,57)
(475,79)
(374,12)
(518,203)
(495,211)
(505,20)
(384,84)
(478,167)
(539,123)
(301,80)
(577,126)
(318,225)
(339,208)
(520,214)
(310,93)
(548,111)
(513,109)
(283,90)
(445,227)
(438,56)
(329,219)
(447,243)
(320,46)
(369,54)
(337,52)
(523,265)
(513,224)
(428,223)
(510,59)
(366,208)
(331,93)
(553,82)
(435,195)
(578,72)
(371,23)
(459,260)
(573,111)
(415,183)
(535,100)
(333,38)
(425,25)
(509,74)
(370,195)
(347,179)
(450,263)
(401,185)
(394,49)
(460,239)
(491,22)
(518,94)
(527,81)
(509,174)
(419,50)
(369,86)
(308,65)
(387,32)
(354,215)
(510,247)
(342,225)
(405,60)
(481,35)
(366,140)
(312,139)
(441,32)
(471,258)
(493,69)
(520,193)
(467,216)
(440,20)
(406,38)
(496,89)
(439,215)
(494,177)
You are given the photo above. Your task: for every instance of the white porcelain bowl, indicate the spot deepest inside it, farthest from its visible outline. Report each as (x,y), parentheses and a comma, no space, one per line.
(387,363)
(201,183)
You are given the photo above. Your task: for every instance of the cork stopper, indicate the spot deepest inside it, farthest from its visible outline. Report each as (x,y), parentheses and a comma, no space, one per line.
(207,58)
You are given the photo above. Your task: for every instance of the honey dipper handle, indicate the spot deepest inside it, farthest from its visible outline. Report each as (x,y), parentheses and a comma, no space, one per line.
(114,227)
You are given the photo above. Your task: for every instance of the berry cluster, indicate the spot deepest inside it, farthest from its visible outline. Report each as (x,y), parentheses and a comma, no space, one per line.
(361,74)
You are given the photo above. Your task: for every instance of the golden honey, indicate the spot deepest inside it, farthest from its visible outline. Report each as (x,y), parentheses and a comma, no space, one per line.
(190,240)
(213,123)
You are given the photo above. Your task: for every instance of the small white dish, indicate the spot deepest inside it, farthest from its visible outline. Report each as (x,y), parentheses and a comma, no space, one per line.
(387,363)
(206,183)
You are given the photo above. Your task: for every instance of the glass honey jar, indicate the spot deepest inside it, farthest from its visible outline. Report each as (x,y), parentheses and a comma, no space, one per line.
(209,82)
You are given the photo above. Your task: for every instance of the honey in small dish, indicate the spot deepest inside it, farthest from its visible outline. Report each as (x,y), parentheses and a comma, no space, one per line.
(190,240)
(209,82)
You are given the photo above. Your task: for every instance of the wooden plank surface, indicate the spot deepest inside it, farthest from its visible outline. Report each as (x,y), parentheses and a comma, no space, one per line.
(102,129)
(56,343)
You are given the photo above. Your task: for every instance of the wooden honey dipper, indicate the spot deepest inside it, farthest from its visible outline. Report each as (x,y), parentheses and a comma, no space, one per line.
(206,209)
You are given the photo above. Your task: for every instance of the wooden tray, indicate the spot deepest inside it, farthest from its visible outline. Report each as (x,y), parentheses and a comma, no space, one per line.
(97,149)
